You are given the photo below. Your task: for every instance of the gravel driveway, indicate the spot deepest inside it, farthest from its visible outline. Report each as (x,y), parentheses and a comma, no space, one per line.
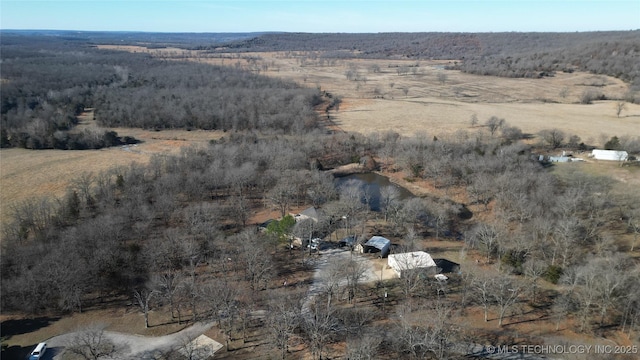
(132,346)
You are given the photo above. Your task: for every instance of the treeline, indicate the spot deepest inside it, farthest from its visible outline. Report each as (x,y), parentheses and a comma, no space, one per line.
(134,38)
(502,54)
(616,56)
(47,83)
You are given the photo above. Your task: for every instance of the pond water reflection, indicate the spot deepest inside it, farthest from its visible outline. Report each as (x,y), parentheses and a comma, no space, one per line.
(371,185)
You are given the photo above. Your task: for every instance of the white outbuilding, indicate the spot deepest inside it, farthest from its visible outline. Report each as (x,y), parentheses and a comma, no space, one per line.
(410,261)
(612,155)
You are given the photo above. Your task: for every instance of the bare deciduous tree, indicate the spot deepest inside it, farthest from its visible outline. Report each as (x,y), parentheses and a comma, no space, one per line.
(424,337)
(484,237)
(282,195)
(473,120)
(552,137)
(633,223)
(283,319)
(482,189)
(620,106)
(534,270)
(363,347)
(256,261)
(505,293)
(597,285)
(320,327)
(92,343)
(143,297)
(494,124)
(168,285)
(332,278)
(354,272)
(481,287)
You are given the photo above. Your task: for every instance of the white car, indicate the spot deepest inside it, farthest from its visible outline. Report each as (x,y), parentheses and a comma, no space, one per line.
(38,352)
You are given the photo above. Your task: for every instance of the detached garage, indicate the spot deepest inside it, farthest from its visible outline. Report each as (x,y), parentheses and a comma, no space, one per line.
(411,261)
(377,244)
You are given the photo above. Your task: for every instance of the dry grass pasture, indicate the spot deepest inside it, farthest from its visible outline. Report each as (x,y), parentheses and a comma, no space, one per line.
(429,106)
(431,100)
(381,100)
(35,173)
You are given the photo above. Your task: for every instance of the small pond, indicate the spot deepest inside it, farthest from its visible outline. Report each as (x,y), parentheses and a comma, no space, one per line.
(371,184)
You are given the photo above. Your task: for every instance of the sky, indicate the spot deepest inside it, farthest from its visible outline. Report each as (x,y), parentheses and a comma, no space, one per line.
(352,16)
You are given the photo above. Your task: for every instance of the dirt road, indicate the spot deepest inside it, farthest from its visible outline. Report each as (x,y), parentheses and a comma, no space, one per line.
(133,346)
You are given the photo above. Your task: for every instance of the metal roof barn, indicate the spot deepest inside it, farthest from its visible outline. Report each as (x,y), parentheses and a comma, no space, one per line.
(613,155)
(409,261)
(378,244)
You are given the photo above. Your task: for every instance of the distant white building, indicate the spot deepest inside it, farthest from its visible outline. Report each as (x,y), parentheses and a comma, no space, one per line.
(612,155)
(410,261)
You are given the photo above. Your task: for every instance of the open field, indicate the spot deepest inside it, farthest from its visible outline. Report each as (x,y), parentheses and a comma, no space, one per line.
(379,104)
(34,173)
(375,101)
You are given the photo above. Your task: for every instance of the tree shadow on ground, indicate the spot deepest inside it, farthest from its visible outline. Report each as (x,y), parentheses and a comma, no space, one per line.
(16,352)
(13,327)
(20,353)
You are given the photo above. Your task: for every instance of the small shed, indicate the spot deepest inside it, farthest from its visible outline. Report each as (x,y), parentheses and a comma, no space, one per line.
(378,244)
(410,261)
(612,155)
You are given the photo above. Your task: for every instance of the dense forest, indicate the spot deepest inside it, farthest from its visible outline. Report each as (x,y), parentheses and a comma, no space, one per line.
(170,226)
(176,235)
(47,84)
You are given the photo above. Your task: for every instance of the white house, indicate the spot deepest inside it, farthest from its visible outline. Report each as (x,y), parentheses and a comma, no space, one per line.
(409,261)
(613,155)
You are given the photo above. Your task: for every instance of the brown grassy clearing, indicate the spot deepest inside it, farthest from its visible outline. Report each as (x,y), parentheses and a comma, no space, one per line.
(436,109)
(35,173)
(379,104)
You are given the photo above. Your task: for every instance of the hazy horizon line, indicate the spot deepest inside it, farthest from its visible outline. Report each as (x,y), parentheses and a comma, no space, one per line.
(320,32)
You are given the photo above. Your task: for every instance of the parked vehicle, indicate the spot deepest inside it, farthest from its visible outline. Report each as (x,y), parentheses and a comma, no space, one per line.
(38,352)
(315,243)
